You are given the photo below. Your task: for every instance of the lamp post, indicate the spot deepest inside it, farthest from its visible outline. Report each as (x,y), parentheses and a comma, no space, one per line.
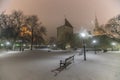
(113,44)
(7,45)
(83,35)
(20,42)
(94,42)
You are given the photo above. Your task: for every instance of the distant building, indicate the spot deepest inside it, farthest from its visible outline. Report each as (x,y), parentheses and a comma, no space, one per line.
(64,35)
(98,30)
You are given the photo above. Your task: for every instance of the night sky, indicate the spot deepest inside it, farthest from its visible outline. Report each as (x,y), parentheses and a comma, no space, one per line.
(80,13)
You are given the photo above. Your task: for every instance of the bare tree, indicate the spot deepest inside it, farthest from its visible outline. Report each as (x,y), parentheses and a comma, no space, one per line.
(37,30)
(113,27)
(18,26)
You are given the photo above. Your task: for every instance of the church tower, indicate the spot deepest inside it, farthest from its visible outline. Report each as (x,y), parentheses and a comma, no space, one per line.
(64,35)
(96,22)
(98,30)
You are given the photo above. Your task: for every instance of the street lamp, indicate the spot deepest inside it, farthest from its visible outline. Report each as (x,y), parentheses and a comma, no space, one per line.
(54,45)
(7,45)
(1,45)
(94,42)
(83,35)
(113,44)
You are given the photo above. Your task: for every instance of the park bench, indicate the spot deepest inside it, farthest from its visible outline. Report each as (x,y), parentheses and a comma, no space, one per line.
(64,64)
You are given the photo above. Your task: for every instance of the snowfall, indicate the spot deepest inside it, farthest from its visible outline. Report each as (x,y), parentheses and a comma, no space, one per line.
(38,65)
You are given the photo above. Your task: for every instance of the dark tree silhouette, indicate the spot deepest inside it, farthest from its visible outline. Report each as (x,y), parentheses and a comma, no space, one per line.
(18,26)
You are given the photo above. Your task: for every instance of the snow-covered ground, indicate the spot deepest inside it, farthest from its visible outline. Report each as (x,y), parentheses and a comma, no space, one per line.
(37,65)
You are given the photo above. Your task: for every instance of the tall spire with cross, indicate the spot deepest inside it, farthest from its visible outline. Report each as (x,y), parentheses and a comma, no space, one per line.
(97,29)
(96,22)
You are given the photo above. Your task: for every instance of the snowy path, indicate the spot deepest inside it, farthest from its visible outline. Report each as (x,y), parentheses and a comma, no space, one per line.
(37,65)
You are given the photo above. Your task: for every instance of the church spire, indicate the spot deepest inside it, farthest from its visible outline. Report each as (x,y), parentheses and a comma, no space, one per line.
(97,29)
(96,22)
(67,23)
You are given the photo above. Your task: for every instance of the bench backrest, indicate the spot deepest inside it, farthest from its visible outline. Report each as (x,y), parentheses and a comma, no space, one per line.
(69,59)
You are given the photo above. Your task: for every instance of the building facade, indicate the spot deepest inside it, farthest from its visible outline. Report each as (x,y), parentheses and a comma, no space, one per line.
(65,35)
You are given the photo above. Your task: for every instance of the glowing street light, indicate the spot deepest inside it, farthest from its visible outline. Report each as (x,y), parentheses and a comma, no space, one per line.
(94,42)
(7,43)
(113,44)
(2,45)
(83,35)
(54,45)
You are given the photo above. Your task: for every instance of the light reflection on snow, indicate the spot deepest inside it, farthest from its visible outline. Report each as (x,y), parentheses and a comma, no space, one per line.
(6,53)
